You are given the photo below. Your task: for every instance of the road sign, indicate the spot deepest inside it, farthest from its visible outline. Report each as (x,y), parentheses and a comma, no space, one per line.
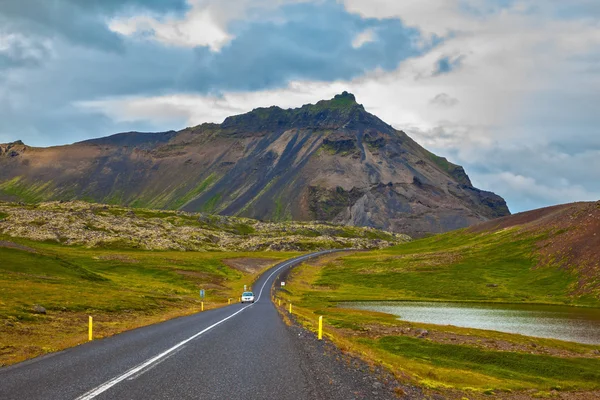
(201,293)
(282,283)
(244,288)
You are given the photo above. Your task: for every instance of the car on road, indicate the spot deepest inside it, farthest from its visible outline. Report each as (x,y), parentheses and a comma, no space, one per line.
(247,297)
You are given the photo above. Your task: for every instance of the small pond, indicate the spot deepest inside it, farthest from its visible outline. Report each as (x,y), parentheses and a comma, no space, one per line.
(557,322)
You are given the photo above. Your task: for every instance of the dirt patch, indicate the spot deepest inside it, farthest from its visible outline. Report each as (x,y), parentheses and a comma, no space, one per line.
(193,274)
(118,257)
(249,265)
(375,331)
(534,217)
(11,245)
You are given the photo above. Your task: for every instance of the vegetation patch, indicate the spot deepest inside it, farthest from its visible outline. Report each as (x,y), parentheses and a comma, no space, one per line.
(500,266)
(195,192)
(121,289)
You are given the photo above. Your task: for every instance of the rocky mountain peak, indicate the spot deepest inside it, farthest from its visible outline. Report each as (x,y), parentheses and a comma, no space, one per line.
(12,149)
(338,112)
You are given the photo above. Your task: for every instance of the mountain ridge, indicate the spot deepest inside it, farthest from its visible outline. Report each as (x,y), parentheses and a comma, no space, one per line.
(331,160)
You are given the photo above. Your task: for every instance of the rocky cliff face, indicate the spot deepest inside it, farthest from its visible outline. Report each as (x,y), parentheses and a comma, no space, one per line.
(326,161)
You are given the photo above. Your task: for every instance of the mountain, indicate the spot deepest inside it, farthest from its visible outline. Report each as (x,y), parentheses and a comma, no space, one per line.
(330,161)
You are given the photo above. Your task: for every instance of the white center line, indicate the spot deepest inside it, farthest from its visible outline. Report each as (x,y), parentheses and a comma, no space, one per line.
(108,384)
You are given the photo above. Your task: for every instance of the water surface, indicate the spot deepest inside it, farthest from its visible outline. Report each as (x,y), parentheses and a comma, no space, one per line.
(556,322)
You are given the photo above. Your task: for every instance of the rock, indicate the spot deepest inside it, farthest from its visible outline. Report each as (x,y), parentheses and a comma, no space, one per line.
(492,285)
(596,352)
(422,333)
(39,309)
(377,385)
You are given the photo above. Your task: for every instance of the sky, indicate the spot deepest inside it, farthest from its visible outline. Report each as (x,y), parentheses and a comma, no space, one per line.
(510,89)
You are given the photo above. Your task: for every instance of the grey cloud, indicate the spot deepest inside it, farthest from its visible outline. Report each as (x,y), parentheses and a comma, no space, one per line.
(80,21)
(526,173)
(444,100)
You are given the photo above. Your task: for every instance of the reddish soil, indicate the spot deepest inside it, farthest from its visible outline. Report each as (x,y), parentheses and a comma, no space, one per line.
(11,245)
(251,265)
(573,240)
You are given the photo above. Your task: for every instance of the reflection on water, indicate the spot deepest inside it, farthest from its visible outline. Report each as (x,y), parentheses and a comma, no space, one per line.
(558,322)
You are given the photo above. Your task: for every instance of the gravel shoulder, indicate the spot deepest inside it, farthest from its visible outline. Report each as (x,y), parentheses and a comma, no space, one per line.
(336,375)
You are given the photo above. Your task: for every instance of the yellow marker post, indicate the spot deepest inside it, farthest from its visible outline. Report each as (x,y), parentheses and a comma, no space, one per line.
(279,301)
(228,301)
(320,328)
(290,308)
(90,336)
(201,306)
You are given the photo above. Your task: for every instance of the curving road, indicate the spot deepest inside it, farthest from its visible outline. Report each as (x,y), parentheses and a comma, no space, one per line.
(240,351)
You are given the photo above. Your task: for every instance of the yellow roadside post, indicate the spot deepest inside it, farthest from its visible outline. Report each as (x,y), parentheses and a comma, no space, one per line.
(290,308)
(201,306)
(90,336)
(279,301)
(228,301)
(321,327)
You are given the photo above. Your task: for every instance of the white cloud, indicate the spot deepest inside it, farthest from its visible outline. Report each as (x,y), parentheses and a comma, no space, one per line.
(199,27)
(206,23)
(533,194)
(366,36)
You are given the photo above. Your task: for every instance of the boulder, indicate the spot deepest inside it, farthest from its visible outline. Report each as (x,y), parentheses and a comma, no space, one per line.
(39,309)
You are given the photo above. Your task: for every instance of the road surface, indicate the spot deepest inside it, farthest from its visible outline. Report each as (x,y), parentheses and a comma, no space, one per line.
(242,351)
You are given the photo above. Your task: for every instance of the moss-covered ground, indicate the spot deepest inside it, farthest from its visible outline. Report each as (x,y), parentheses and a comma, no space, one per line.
(120,288)
(497,266)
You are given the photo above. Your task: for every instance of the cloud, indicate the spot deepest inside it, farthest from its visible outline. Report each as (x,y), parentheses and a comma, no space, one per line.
(80,22)
(17,51)
(444,100)
(366,36)
(525,190)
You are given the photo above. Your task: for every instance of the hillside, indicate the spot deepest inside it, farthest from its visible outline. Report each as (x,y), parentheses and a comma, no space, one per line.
(539,259)
(330,161)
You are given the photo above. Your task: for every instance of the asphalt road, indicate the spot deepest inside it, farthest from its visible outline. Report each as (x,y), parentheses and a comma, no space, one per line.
(240,351)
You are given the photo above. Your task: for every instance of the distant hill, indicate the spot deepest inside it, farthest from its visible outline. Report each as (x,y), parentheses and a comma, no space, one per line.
(330,161)
(571,240)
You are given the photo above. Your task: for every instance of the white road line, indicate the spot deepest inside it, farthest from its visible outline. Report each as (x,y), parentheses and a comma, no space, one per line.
(108,384)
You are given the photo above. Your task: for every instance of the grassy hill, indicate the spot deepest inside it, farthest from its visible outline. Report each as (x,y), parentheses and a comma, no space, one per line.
(129,268)
(547,256)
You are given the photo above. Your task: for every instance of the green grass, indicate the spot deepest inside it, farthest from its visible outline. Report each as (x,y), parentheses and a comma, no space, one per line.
(122,288)
(211,204)
(28,192)
(457,266)
(519,370)
(195,192)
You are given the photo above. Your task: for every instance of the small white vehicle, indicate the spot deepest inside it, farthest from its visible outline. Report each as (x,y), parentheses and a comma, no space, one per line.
(247,297)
